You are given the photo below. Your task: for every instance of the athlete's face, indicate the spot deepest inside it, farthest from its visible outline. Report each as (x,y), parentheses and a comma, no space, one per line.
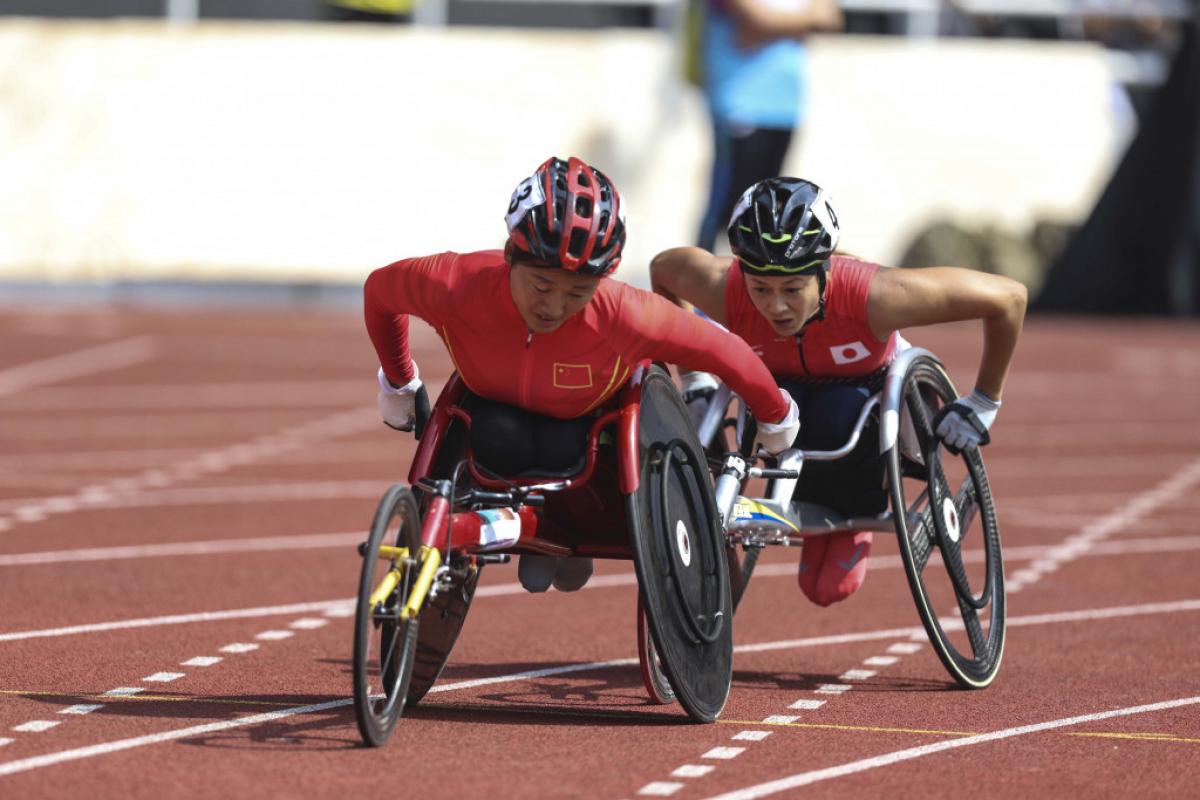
(786,301)
(547,297)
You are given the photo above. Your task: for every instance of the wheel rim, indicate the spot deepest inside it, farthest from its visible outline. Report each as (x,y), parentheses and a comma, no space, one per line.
(949,537)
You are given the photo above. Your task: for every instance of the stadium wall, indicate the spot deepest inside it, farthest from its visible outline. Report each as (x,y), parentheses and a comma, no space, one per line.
(136,150)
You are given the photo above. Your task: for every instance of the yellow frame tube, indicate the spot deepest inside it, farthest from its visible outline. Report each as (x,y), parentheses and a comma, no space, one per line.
(393,552)
(385,587)
(431,559)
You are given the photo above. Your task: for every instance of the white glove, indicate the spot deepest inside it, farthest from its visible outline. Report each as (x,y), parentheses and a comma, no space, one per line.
(775,437)
(698,389)
(398,406)
(965,422)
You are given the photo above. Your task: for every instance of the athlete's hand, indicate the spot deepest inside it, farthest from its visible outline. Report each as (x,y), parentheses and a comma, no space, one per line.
(965,422)
(397,405)
(775,437)
(698,389)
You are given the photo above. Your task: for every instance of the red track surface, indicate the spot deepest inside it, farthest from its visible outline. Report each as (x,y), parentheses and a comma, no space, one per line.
(253,436)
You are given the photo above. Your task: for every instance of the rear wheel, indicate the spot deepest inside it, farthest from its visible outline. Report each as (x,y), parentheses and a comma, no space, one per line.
(658,685)
(384,644)
(948,534)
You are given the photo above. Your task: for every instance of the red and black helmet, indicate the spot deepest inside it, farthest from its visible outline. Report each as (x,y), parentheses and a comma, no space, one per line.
(567,214)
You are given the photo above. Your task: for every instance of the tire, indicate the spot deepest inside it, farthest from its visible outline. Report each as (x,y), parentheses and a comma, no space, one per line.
(942,505)
(384,646)
(679,554)
(658,685)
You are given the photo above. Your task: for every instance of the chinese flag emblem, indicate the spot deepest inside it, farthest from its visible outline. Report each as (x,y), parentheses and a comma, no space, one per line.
(572,376)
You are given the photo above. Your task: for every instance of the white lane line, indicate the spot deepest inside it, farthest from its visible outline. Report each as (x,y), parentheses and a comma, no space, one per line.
(179,619)
(50,759)
(779,719)
(724,753)
(751,736)
(660,789)
(145,491)
(857,674)
(201,661)
(693,770)
(832,688)
(887,759)
(807,705)
(4,741)
(308,623)
(201,548)
(534,673)
(239,647)
(82,708)
(164,677)
(274,636)
(125,691)
(37,725)
(880,661)
(904,648)
(114,355)
(257,394)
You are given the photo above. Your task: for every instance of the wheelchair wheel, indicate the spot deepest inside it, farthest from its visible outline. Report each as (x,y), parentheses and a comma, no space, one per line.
(658,686)
(679,554)
(385,645)
(948,534)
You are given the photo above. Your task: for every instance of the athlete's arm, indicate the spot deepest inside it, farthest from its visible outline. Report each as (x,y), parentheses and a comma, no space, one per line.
(410,286)
(690,276)
(657,330)
(759,22)
(905,298)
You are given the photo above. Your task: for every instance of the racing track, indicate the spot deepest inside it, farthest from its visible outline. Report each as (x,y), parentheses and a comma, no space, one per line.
(181,493)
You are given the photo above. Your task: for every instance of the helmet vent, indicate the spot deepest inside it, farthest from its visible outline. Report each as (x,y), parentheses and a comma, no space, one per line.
(577,243)
(583,207)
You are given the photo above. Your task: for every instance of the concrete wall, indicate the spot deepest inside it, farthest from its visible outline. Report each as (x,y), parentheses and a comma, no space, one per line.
(130,149)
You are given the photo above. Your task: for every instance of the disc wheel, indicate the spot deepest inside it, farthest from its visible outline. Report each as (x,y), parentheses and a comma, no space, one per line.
(948,534)
(658,685)
(679,553)
(384,644)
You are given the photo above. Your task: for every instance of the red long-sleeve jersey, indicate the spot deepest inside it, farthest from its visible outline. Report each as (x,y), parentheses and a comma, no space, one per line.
(565,373)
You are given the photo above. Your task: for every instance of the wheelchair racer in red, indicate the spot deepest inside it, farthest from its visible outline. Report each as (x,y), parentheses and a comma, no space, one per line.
(543,339)
(827,326)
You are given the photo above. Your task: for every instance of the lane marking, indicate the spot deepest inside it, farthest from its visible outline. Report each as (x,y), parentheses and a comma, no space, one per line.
(790,722)
(832,688)
(239,647)
(201,661)
(141,492)
(308,623)
(82,708)
(857,675)
(164,677)
(199,548)
(724,753)
(4,741)
(751,736)
(904,648)
(880,661)
(534,673)
(660,789)
(1146,737)
(103,358)
(777,719)
(37,726)
(124,691)
(693,770)
(807,705)
(274,636)
(887,759)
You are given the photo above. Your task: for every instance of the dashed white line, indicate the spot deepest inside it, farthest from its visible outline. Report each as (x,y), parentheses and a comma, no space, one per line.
(660,789)
(4,741)
(274,636)
(164,677)
(751,736)
(881,661)
(857,674)
(779,719)
(308,624)
(201,661)
(82,708)
(36,725)
(114,355)
(807,705)
(724,753)
(239,647)
(693,770)
(125,691)
(832,688)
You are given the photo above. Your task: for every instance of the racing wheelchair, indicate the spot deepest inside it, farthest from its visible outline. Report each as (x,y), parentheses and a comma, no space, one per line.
(643,491)
(941,510)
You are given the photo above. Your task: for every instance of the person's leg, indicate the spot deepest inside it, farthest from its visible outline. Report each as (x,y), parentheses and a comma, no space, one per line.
(501,437)
(719,187)
(833,567)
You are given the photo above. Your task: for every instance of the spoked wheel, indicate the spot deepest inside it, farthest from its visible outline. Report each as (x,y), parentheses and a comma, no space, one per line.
(949,537)
(384,644)
(679,552)
(658,686)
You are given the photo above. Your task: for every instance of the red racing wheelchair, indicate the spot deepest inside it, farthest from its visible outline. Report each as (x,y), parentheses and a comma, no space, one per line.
(643,492)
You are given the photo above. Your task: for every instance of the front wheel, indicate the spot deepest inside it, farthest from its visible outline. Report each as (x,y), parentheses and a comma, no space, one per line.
(948,534)
(384,643)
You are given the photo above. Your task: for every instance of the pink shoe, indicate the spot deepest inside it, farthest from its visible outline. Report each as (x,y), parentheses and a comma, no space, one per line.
(833,567)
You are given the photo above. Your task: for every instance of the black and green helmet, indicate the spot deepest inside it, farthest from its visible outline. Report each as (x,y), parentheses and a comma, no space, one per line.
(783,226)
